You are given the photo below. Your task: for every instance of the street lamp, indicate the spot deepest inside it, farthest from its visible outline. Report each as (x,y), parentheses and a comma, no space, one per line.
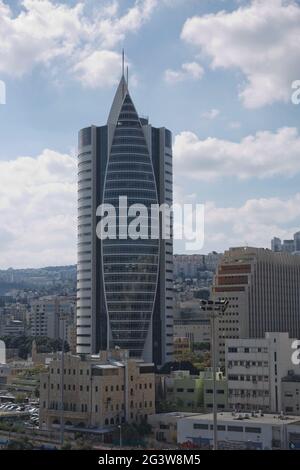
(214,307)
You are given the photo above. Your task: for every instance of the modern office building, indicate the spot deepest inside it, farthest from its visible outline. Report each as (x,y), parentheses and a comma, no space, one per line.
(297,241)
(263,292)
(289,246)
(125,294)
(255,369)
(276,244)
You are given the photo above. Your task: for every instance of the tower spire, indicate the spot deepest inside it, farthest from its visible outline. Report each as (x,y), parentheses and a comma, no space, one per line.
(123,62)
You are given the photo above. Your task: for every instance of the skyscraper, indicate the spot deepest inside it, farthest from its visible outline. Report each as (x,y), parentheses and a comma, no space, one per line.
(263,292)
(124,286)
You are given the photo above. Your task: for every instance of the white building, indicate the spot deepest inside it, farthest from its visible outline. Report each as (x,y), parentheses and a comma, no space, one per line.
(255,368)
(240,431)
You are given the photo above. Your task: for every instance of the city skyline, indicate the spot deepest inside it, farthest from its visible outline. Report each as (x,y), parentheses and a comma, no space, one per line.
(236,146)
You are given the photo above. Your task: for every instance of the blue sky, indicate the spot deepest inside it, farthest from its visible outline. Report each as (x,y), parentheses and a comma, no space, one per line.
(217,73)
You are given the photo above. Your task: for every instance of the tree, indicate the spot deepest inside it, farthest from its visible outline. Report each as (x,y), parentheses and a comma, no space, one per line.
(20,444)
(24,344)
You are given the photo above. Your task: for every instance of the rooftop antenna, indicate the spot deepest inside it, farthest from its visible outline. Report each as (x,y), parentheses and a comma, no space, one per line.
(123,62)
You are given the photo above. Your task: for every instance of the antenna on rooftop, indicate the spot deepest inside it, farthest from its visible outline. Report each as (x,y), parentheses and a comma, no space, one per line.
(123,62)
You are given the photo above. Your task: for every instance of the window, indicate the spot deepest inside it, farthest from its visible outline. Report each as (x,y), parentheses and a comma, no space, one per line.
(253,430)
(235,428)
(200,426)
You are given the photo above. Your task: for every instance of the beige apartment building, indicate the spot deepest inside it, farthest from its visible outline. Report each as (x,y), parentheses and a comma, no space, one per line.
(263,292)
(97,391)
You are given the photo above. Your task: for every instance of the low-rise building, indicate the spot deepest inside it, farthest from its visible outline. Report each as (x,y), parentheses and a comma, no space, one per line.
(255,368)
(164,425)
(194,392)
(290,393)
(240,431)
(97,391)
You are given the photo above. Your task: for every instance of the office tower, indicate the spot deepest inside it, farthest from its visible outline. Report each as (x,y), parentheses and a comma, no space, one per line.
(263,292)
(125,296)
(276,244)
(297,241)
(288,246)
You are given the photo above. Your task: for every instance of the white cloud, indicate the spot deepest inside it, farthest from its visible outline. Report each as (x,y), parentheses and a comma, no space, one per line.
(65,37)
(212,114)
(189,70)
(261,39)
(38,210)
(263,155)
(99,68)
(38,214)
(254,223)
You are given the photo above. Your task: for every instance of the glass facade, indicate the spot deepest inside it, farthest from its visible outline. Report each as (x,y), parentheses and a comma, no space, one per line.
(130,267)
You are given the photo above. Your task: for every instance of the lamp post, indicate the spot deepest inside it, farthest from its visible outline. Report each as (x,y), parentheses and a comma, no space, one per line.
(214,307)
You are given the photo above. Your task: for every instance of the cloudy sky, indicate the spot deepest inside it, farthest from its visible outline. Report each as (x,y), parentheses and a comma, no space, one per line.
(217,73)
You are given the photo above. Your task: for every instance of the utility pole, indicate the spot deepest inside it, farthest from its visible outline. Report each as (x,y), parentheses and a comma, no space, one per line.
(120,427)
(214,307)
(62,384)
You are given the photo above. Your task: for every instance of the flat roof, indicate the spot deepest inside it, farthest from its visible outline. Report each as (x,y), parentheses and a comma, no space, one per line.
(175,414)
(227,416)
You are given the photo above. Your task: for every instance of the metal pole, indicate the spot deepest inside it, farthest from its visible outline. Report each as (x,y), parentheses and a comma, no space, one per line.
(213,354)
(120,435)
(62,382)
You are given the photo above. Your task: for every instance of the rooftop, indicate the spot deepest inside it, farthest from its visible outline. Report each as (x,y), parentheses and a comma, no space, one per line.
(230,417)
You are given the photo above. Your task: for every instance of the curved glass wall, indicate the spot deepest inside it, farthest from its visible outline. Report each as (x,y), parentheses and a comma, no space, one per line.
(130,267)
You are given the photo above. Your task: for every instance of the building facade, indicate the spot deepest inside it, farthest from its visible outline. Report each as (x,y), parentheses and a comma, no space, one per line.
(255,369)
(191,322)
(263,292)
(99,391)
(193,393)
(240,431)
(52,316)
(125,295)
(289,246)
(290,392)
